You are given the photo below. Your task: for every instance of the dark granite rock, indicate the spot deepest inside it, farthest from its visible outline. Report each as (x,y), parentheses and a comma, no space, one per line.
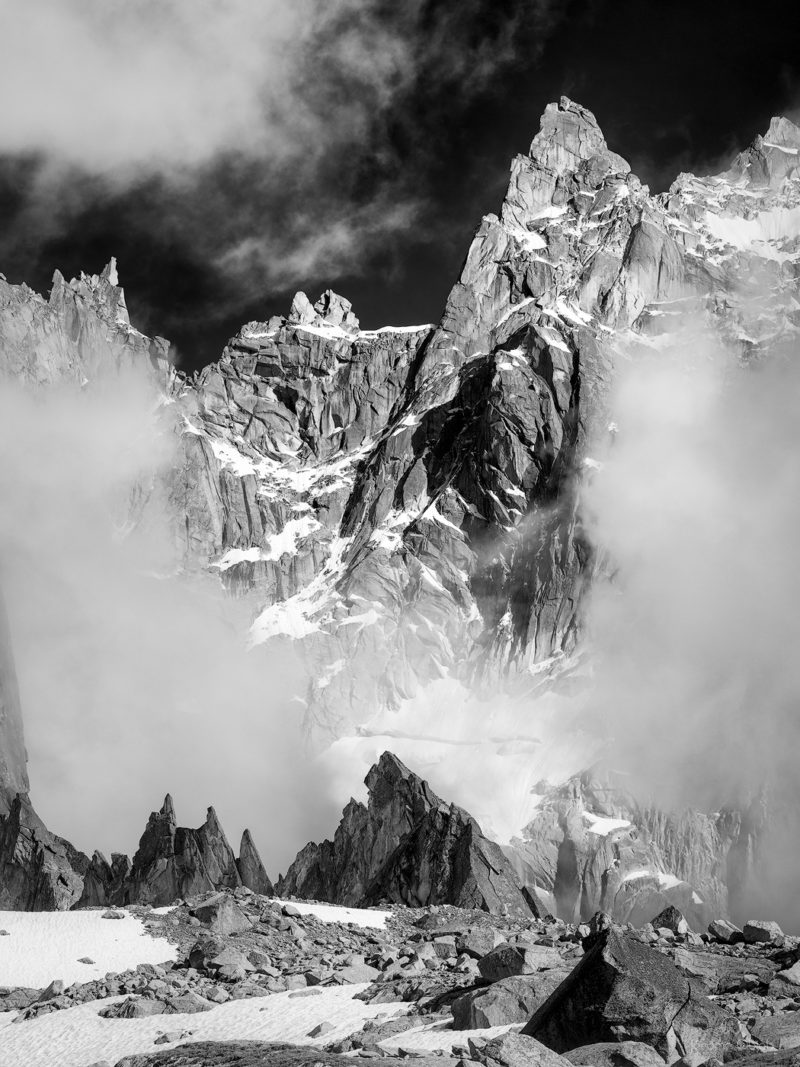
(407,846)
(251,869)
(623,990)
(38,870)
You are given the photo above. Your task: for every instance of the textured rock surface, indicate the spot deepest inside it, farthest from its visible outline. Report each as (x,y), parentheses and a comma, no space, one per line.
(405,504)
(38,871)
(624,990)
(406,846)
(251,869)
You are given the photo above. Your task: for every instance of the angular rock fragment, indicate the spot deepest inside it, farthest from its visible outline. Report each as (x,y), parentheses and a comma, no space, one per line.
(623,990)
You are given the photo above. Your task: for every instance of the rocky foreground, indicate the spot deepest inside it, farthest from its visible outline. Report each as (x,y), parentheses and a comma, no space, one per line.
(453,983)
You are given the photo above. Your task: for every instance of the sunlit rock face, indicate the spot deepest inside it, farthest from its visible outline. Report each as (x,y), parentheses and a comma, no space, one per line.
(403,505)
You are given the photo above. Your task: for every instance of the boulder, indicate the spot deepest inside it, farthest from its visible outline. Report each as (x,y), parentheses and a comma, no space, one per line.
(780,1031)
(507,960)
(516,1050)
(624,990)
(725,932)
(762,931)
(670,919)
(222,915)
(510,1000)
(615,1054)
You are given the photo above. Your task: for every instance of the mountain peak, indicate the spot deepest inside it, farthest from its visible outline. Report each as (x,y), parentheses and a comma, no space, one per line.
(331,309)
(568,135)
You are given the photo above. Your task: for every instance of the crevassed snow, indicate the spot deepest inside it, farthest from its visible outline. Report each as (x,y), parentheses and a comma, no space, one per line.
(602,825)
(76,1036)
(334,913)
(44,945)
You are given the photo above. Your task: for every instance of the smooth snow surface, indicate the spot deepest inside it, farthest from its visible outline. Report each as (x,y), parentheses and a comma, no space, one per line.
(601,825)
(76,1037)
(44,945)
(333,913)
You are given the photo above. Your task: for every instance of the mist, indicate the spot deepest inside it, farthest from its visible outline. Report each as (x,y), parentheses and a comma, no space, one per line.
(134,679)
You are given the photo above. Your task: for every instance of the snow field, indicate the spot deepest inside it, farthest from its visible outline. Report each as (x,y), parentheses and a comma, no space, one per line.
(45,945)
(78,1036)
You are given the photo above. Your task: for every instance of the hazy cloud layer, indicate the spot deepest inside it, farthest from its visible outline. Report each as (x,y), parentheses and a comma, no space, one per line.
(134,681)
(698,510)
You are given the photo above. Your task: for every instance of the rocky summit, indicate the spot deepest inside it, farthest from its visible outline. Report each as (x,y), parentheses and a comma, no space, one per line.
(403,508)
(409,847)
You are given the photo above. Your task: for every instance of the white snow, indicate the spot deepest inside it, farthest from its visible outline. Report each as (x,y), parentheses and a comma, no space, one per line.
(300,614)
(44,945)
(513,309)
(665,881)
(396,329)
(602,825)
(759,234)
(781,148)
(334,913)
(280,544)
(77,1036)
(439,1035)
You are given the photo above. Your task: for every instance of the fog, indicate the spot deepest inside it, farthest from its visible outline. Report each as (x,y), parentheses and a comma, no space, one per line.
(134,680)
(696,507)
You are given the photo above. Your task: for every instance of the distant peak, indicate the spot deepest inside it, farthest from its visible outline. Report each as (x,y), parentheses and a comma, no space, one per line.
(331,309)
(168,808)
(568,133)
(783,131)
(110,272)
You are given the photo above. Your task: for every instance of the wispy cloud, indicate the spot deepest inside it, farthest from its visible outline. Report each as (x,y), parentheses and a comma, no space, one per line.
(279,138)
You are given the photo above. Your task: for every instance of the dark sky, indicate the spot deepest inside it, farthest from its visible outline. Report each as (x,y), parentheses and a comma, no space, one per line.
(389,134)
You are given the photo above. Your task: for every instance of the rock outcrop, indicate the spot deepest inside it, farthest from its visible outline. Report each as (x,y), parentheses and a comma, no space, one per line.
(251,869)
(38,870)
(624,991)
(404,504)
(406,846)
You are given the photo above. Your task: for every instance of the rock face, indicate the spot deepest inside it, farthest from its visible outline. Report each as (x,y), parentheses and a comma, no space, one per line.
(404,504)
(406,846)
(251,869)
(623,990)
(42,872)
(592,847)
(38,870)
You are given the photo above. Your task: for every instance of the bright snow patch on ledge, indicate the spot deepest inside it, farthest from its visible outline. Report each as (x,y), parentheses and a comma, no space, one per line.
(665,881)
(333,913)
(74,1037)
(43,945)
(599,824)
